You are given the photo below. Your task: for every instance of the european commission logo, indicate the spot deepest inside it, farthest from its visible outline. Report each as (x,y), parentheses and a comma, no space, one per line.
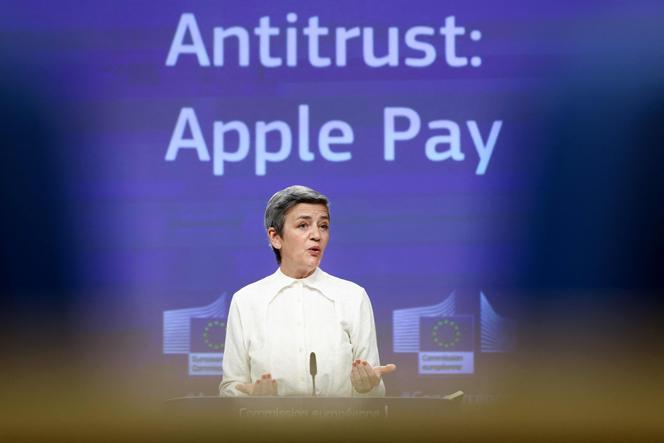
(200,333)
(445,340)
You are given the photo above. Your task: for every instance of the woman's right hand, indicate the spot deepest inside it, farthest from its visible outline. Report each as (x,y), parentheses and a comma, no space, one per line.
(264,386)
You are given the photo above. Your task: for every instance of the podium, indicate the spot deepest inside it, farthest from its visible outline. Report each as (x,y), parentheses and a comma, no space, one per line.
(232,408)
(311,419)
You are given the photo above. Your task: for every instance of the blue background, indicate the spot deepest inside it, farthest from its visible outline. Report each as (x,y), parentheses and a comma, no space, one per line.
(104,235)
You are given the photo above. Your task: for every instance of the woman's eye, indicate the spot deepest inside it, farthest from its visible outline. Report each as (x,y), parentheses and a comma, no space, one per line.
(326,227)
(302,225)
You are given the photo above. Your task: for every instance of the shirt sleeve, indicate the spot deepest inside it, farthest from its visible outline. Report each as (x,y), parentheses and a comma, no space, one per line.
(364,343)
(236,368)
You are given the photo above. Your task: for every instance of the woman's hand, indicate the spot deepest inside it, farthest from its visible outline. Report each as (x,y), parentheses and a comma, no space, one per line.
(364,377)
(265,385)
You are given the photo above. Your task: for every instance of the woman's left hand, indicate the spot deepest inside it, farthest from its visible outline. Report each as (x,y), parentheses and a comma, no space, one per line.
(364,377)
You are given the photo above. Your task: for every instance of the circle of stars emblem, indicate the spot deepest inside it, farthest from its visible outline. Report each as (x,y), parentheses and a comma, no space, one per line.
(207,332)
(453,333)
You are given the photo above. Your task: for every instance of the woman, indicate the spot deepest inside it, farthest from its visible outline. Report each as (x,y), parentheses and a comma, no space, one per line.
(275,323)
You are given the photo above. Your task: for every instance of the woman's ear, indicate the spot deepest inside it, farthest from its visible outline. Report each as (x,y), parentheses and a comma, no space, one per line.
(275,239)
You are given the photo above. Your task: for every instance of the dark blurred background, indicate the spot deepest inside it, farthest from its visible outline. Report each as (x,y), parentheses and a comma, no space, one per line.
(564,233)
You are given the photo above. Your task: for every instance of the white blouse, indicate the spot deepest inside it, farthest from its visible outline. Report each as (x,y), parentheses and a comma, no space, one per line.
(275,323)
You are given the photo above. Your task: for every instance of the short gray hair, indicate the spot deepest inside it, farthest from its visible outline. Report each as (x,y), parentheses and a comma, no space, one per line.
(281,202)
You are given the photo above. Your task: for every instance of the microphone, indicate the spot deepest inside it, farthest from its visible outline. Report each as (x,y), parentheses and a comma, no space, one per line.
(313,370)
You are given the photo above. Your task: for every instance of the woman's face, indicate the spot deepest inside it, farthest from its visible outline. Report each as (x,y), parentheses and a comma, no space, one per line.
(304,238)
